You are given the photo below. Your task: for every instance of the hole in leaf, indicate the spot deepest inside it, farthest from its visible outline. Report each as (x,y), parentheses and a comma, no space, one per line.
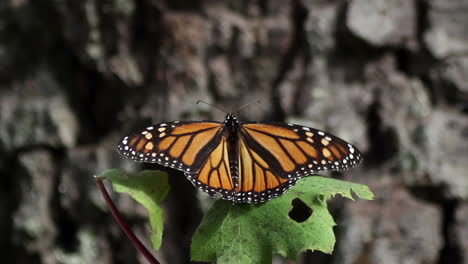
(300,211)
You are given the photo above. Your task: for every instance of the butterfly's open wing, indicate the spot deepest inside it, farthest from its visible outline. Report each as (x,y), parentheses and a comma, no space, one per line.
(214,177)
(257,180)
(272,157)
(181,145)
(294,151)
(197,148)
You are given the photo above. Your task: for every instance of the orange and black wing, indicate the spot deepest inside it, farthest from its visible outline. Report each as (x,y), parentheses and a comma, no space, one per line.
(272,157)
(199,149)
(294,151)
(257,178)
(181,145)
(214,177)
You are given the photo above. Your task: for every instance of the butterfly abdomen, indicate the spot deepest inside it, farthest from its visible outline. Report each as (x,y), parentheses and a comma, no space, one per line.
(231,130)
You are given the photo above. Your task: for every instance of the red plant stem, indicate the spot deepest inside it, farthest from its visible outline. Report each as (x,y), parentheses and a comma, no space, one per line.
(118,217)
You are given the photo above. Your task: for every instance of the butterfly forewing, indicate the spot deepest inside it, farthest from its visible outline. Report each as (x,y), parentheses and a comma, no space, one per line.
(180,145)
(295,151)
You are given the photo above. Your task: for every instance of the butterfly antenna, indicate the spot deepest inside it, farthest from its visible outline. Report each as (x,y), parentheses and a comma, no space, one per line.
(217,107)
(247,104)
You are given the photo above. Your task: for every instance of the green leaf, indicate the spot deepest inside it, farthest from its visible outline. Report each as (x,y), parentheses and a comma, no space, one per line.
(148,188)
(244,233)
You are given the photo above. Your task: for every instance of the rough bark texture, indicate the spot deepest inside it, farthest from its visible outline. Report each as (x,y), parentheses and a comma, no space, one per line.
(387,75)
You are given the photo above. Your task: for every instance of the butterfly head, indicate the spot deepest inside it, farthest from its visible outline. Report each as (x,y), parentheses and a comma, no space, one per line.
(231,121)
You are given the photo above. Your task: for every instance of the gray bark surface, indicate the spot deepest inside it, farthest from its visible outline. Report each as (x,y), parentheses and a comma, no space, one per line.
(389,76)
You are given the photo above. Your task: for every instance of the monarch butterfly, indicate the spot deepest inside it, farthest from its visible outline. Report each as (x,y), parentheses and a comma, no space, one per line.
(245,162)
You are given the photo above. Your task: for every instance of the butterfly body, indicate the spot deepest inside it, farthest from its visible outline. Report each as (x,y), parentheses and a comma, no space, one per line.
(231,132)
(245,162)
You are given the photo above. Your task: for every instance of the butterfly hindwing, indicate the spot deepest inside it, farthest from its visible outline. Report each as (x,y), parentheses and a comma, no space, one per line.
(257,180)
(215,176)
(181,145)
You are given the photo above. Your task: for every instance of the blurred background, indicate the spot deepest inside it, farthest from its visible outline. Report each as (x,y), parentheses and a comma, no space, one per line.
(390,76)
